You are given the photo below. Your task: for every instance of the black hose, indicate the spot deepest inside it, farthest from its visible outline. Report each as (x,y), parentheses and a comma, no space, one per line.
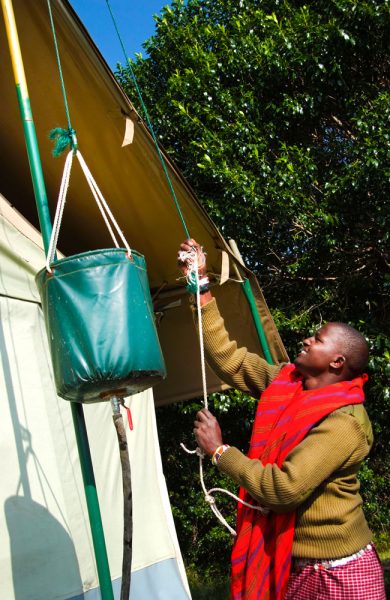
(127,506)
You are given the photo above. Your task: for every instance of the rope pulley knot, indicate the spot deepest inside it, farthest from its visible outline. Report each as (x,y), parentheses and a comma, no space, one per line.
(63,139)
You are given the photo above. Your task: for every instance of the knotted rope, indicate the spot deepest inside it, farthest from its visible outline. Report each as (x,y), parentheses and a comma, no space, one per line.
(63,138)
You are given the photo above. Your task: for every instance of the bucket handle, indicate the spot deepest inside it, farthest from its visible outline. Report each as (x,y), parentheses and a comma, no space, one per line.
(100,201)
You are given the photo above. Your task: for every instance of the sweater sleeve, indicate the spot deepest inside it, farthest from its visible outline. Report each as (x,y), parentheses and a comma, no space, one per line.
(238,367)
(338,441)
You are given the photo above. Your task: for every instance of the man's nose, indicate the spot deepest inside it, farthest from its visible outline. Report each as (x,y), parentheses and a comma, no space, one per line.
(308,341)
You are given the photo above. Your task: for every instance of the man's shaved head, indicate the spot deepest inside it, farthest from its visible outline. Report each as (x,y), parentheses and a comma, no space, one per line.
(354,347)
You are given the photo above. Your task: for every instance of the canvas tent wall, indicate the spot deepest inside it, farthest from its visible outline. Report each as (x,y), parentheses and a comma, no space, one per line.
(46,548)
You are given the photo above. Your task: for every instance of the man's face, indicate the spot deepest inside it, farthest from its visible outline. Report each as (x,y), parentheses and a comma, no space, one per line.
(321,351)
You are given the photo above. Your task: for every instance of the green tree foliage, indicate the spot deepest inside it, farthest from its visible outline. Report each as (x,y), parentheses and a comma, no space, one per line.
(277,113)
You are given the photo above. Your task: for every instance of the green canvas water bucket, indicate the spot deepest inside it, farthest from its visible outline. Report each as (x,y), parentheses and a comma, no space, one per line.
(100,324)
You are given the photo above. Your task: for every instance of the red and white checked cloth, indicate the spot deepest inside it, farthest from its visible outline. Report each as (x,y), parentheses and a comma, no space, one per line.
(359,579)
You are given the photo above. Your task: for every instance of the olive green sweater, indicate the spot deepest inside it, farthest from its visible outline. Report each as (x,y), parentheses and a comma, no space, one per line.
(318,478)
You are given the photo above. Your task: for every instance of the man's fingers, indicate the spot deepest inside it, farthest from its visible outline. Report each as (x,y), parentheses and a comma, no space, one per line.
(187,247)
(189,244)
(204,415)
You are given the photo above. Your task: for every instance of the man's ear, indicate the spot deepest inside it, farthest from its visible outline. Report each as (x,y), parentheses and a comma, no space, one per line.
(338,362)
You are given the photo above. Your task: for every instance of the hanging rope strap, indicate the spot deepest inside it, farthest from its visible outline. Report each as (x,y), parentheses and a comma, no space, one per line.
(191,259)
(106,213)
(63,138)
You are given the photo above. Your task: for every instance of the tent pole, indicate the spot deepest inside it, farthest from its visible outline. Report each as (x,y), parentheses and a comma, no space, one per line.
(246,287)
(46,229)
(28,123)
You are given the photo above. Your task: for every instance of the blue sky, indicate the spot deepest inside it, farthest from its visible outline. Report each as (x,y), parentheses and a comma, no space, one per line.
(135,23)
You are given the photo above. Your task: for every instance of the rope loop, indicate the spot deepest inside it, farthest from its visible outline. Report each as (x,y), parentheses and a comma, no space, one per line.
(105,211)
(198,451)
(187,450)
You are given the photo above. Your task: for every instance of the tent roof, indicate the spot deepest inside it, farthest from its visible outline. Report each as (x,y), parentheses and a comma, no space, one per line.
(131,178)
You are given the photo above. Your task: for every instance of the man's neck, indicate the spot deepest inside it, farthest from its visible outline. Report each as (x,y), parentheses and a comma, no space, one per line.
(314,382)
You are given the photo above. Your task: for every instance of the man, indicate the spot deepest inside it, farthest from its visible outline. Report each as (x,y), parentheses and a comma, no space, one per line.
(310,435)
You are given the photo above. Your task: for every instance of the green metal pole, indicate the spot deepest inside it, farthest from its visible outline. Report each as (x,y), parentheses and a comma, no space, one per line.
(246,286)
(46,229)
(247,289)
(92,502)
(28,123)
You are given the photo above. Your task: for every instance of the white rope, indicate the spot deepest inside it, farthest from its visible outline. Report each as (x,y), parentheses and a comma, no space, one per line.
(100,201)
(59,211)
(94,188)
(191,259)
(201,344)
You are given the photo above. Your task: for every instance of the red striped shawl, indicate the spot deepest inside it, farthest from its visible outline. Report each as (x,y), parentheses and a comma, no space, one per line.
(261,554)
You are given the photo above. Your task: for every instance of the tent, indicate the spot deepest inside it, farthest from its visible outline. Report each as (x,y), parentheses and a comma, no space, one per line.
(46,549)
(41,488)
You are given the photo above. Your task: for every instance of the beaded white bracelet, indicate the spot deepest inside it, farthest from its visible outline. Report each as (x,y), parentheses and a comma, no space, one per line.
(218,453)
